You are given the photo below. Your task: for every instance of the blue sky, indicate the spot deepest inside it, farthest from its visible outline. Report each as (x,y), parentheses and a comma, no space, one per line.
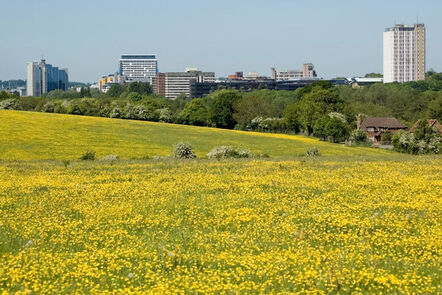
(341,38)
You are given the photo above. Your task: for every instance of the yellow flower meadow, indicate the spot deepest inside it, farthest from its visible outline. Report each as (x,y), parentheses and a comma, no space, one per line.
(312,226)
(38,136)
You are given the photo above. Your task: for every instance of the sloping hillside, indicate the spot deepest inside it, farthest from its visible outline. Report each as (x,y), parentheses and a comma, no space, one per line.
(35,136)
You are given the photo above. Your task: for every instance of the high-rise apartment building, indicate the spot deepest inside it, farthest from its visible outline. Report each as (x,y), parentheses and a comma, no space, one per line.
(404,53)
(307,72)
(43,78)
(138,67)
(171,85)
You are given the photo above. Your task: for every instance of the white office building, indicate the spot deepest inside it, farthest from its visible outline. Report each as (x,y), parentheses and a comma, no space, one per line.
(138,67)
(404,53)
(33,79)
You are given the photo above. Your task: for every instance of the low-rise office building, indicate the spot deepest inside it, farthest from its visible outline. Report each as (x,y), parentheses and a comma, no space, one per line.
(173,84)
(105,83)
(307,72)
(198,89)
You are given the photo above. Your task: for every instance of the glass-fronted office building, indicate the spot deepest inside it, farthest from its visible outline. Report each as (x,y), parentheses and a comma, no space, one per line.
(43,78)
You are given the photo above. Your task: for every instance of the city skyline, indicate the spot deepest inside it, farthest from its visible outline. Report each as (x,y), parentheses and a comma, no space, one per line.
(340,39)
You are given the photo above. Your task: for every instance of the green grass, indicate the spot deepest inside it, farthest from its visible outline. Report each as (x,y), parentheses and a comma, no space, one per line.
(43,136)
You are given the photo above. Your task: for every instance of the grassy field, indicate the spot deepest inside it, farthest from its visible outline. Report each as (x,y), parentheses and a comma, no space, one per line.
(353,221)
(34,136)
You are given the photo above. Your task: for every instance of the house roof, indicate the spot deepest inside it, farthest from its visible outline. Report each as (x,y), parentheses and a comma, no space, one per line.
(389,122)
(431,122)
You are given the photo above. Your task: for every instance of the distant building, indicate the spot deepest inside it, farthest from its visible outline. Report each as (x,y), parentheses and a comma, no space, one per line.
(105,83)
(173,84)
(43,78)
(307,72)
(236,76)
(404,53)
(361,82)
(376,127)
(202,89)
(138,67)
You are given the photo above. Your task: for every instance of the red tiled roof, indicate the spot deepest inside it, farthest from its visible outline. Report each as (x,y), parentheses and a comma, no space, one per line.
(389,122)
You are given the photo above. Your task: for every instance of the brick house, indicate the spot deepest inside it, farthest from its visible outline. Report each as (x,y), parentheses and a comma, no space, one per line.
(376,127)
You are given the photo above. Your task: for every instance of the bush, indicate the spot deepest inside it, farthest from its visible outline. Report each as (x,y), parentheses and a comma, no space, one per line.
(88,156)
(313,152)
(48,107)
(183,151)
(225,152)
(110,158)
(359,137)
(9,104)
(404,142)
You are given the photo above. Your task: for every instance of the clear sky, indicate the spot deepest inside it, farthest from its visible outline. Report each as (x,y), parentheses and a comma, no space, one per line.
(340,37)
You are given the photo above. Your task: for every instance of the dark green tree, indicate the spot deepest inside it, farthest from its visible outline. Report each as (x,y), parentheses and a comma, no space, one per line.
(292,117)
(115,90)
(222,108)
(250,107)
(195,113)
(85,92)
(336,130)
(142,88)
(134,96)
(4,95)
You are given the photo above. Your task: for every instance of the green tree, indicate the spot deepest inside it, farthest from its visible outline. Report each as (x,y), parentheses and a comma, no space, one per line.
(336,130)
(292,117)
(222,108)
(142,88)
(423,131)
(85,92)
(250,107)
(319,128)
(195,113)
(434,110)
(318,103)
(4,95)
(134,96)
(374,75)
(115,90)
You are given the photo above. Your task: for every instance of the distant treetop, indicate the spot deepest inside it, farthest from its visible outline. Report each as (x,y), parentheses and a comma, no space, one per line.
(374,75)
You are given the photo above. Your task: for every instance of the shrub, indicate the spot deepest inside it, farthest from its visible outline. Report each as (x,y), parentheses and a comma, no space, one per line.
(183,151)
(110,158)
(88,156)
(48,107)
(406,142)
(313,152)
(403,142)
(225,152)
(9,104)
(359,137)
